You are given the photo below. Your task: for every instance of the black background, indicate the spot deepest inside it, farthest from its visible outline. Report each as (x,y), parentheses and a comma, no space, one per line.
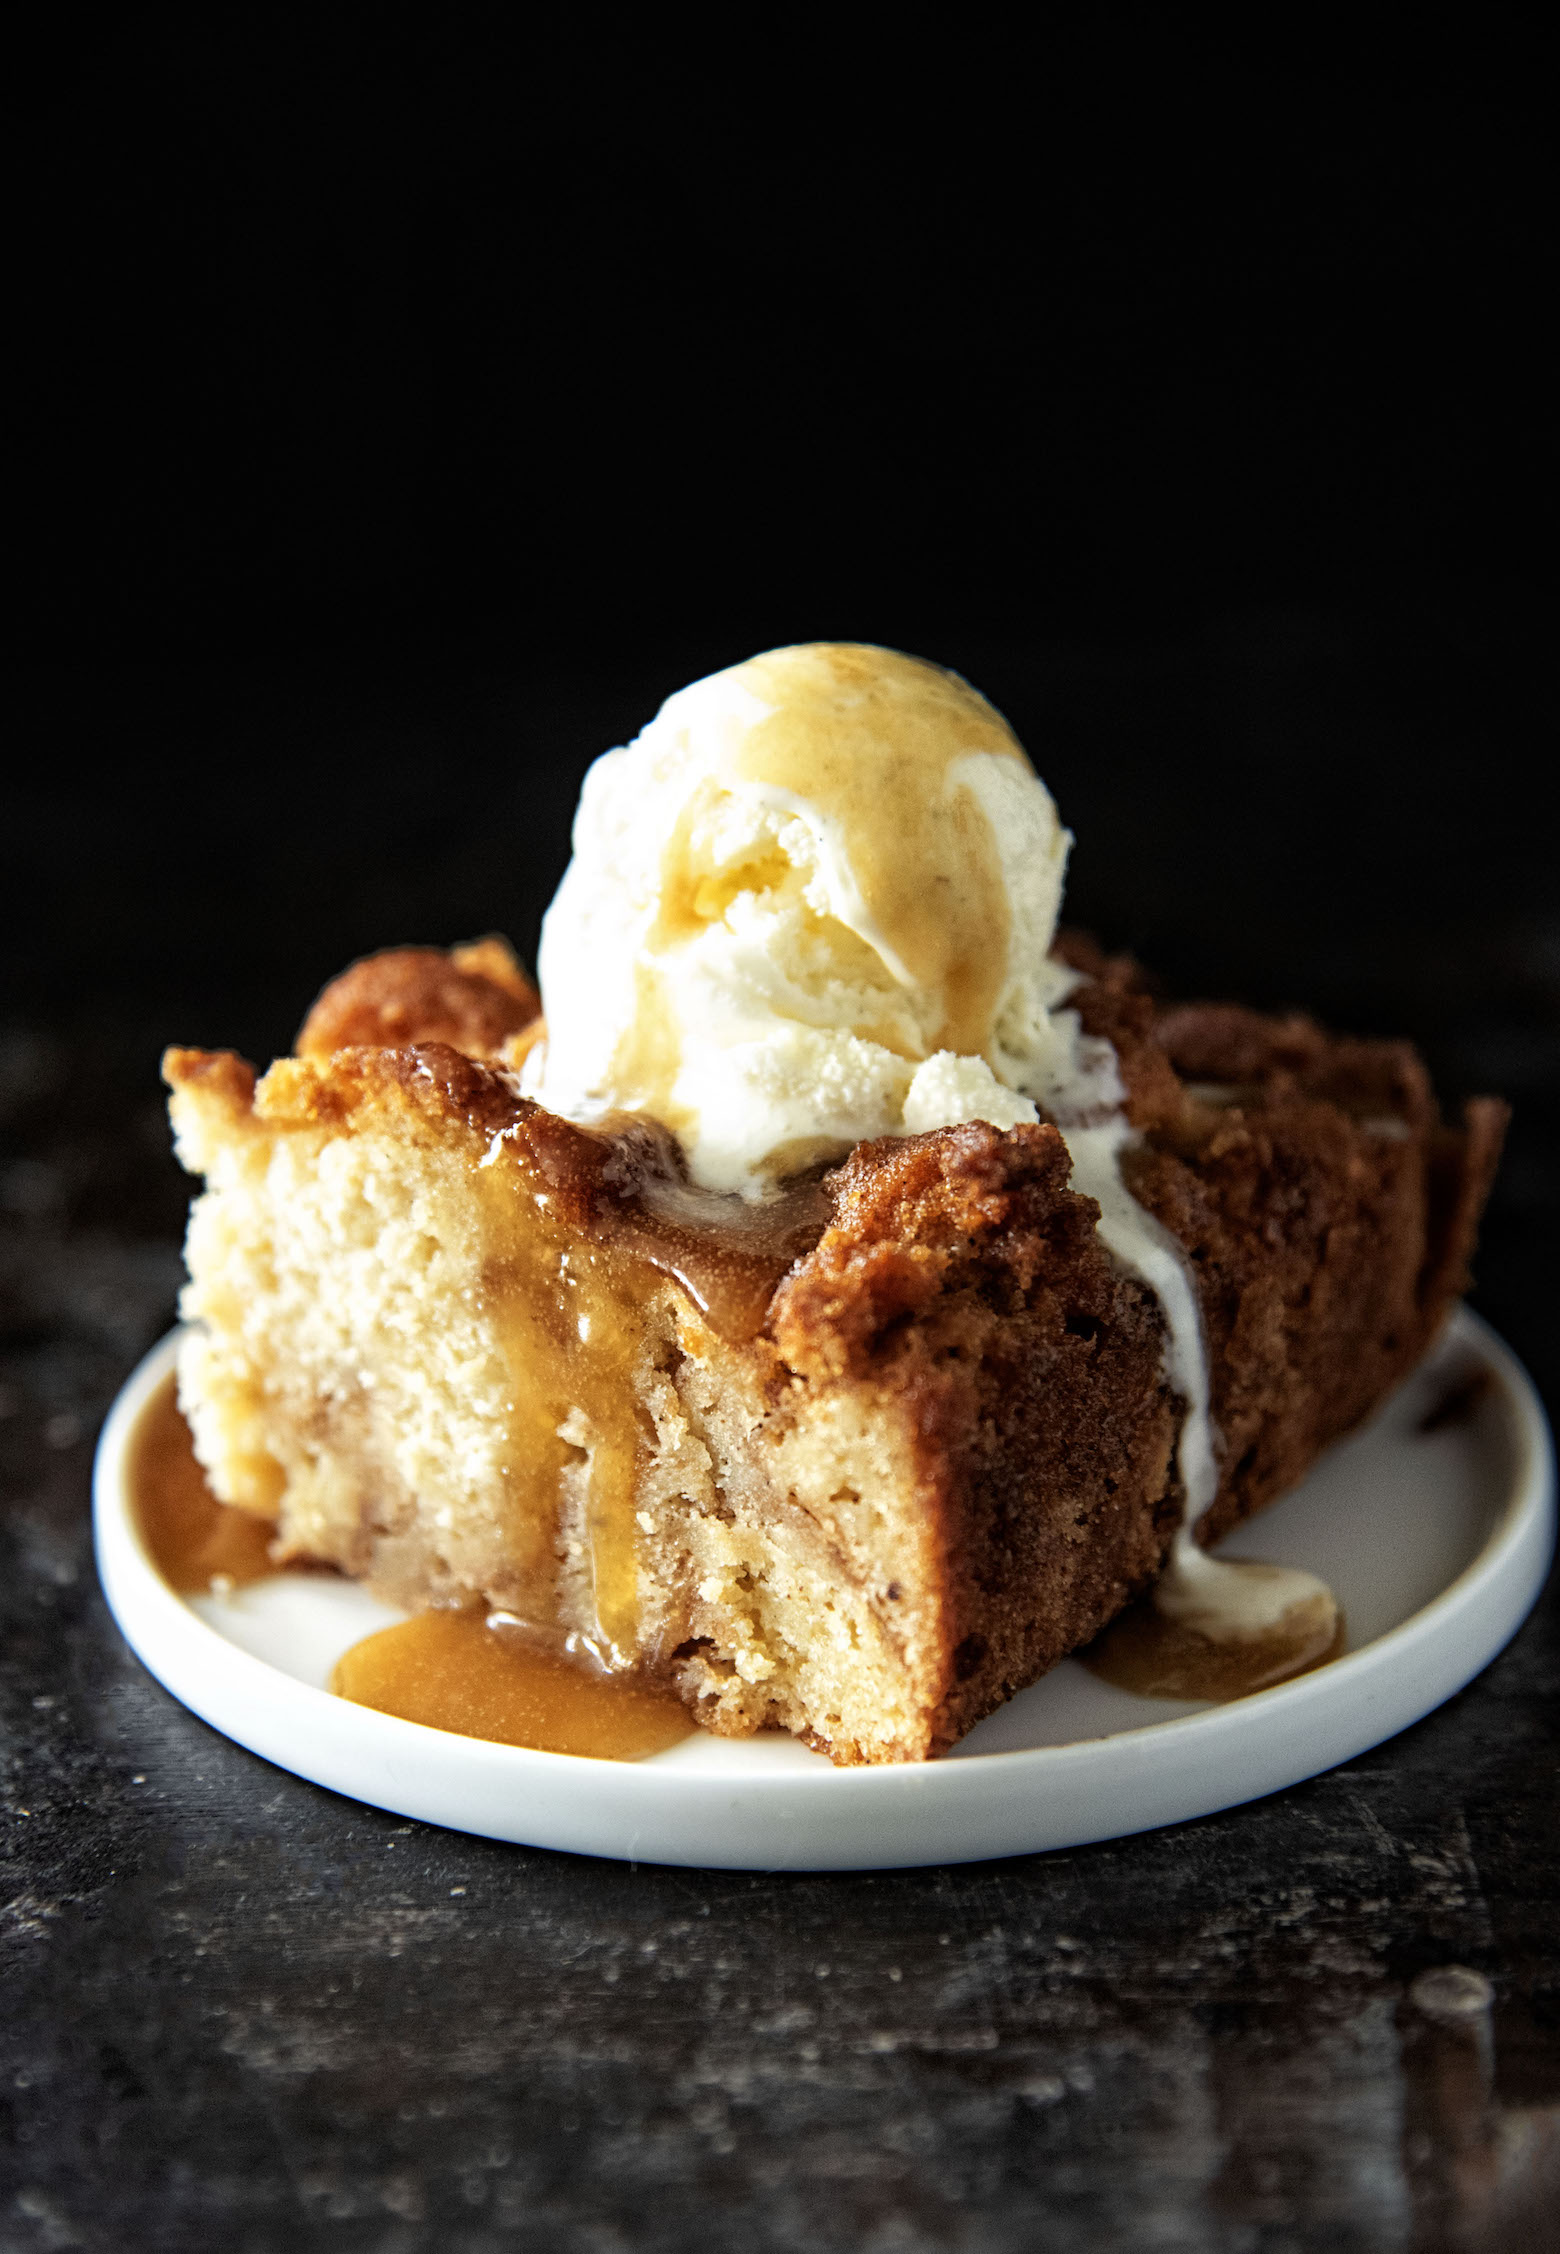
(406,411)
(402,413)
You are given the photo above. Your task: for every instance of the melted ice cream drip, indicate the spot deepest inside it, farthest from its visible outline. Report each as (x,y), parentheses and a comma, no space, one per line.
(1223,1601)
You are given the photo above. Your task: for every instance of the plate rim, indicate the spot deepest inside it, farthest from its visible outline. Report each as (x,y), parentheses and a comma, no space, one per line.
(1494,1591)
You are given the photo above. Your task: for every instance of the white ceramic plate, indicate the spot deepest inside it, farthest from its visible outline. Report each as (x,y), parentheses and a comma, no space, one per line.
(1437,1544)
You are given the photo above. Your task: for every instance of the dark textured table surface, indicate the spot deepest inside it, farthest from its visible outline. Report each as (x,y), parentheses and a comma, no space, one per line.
(237,2011)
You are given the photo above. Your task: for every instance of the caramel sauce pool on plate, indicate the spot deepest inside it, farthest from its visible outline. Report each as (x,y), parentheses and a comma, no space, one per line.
(447,1670)
(461,1671)
(1142,1651)
(457,1671)
(194,1539)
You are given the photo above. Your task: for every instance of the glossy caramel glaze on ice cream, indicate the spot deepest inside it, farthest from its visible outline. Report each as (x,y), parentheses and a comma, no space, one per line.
(810,903)
(874,747)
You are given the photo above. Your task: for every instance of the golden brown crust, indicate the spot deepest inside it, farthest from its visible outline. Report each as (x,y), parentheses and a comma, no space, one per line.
(963,1275)
(915,1216)
(1328,1214)
(1329,1219)
(219,1072)
(474,998)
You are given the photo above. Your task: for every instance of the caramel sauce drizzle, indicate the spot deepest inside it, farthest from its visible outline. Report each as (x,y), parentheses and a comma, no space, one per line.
(467,1672)
(727,1254)
(927,869)
(865,746)
(570,1305)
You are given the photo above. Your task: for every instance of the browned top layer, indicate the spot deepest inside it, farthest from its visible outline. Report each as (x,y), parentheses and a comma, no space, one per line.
(473,998)
(1255,1129)
(623,1182)
(920,1217)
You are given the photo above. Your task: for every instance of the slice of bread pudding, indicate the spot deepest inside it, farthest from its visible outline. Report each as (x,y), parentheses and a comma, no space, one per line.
(859,1463)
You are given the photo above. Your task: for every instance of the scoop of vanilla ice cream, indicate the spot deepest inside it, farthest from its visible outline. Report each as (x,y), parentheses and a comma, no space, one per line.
(811,903)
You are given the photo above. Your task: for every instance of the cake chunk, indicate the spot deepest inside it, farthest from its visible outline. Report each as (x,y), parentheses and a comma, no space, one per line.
(476,998)
(859,1463)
